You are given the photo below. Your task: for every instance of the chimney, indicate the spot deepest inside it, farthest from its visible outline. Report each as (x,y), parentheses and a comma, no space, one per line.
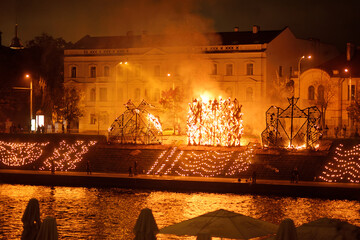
(236,29)
(349,51)
(256,29)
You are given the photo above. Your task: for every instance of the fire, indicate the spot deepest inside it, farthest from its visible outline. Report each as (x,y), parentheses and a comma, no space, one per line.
(214,122)
(155,121)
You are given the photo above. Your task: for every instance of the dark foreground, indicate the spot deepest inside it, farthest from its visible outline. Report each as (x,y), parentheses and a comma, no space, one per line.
(183,184)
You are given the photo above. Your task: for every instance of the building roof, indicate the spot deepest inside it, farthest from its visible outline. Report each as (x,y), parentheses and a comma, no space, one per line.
(208,39)
(336,66)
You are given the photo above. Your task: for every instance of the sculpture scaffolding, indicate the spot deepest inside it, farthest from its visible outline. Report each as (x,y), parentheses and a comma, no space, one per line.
(136,126)
(306,133)
(216,122)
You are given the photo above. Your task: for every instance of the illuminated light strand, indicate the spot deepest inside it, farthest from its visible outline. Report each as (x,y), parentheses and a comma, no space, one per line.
(20,154)
(66,156)
(344,167)
(167,161)
(214,122)
(241,163)
(157,161)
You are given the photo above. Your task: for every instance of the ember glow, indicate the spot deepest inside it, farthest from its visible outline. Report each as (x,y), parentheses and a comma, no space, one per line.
(20,154)
(214,122)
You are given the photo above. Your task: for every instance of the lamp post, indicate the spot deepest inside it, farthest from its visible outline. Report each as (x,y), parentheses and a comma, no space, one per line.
(27,76)
(299,70)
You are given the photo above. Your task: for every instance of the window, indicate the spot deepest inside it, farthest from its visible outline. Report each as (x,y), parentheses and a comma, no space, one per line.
(157,71)
(137,94)
(120,94)
(249,69)
(229,69)
(137,70)
(229,92)
(146,94)
(93,72)
(73,72)
(249,94)
(352,92)
(92,118)
(156,95)
(311,93)
(215,69)
(106,71)
(280,71)
(321,91)
(290,72)
(103,94)
(92,95)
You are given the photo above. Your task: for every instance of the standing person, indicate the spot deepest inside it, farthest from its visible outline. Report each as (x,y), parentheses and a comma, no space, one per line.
(336,131)
(344,131)
(296,175)
(130,171)
(88,168)
(135,168)
(254,177)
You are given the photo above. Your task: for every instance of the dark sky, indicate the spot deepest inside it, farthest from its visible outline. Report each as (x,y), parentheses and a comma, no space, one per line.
(330,21)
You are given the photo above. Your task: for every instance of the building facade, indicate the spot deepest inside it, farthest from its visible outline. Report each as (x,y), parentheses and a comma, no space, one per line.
(258,68)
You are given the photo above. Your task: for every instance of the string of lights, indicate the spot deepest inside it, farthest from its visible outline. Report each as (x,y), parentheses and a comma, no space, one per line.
(344,167)
(66,156)
(20,154)
(204,164)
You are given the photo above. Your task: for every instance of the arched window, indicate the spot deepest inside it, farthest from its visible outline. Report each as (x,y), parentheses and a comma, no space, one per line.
(249,94)
(249,69)
(229,69)
(106,71)
(311,93)
(321,91)
(73,72)
(92,95)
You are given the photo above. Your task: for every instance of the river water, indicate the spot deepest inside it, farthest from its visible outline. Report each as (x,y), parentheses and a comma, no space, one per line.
(93,213)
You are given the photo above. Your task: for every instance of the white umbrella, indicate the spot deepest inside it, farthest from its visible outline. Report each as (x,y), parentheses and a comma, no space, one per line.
(326,228)
(286,231)
(48,230)
(145,227)
(223,224)
(31,219)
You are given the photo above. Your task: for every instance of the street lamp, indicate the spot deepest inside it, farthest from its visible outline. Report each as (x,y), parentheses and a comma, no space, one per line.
(27,76)
(299,70)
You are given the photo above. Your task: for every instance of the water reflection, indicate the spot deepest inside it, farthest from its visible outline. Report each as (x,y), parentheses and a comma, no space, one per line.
(90,213)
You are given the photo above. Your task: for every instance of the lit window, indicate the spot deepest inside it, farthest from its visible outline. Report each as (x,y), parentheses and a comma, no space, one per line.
(73,72)
(93,95)
(229,69)
(352,92)
(93,72)
(311,93)
(106,71)
(103,94)
(249,69)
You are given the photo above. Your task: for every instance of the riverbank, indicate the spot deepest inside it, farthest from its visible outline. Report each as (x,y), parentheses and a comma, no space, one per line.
(183,184)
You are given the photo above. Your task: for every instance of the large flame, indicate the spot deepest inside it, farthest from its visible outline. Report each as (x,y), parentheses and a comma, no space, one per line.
(214,122)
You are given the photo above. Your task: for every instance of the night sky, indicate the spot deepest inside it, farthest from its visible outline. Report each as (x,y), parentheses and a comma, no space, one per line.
(330,21)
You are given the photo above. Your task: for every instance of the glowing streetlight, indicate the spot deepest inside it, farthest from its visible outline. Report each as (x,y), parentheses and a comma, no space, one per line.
(27,76)
(299,70)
